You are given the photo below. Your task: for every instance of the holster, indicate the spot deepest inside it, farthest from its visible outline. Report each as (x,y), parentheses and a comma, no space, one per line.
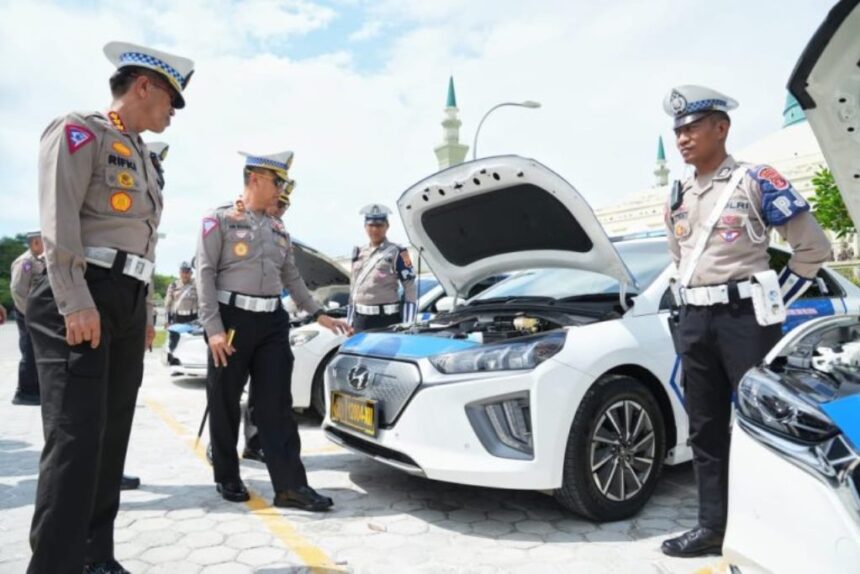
(767,298)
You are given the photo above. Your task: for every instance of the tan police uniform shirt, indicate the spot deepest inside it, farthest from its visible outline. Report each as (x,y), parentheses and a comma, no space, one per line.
(733,251)
(246,253)
(375,275)
(97,188)
(24,269)
(181,298)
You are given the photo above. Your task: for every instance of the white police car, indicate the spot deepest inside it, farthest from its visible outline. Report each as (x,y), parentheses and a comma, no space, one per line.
(313,347)
(794,478)
(562,378)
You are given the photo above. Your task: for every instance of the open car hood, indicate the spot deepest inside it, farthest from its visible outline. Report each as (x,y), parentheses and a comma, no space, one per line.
(501,214)
(826,83)
(316,269)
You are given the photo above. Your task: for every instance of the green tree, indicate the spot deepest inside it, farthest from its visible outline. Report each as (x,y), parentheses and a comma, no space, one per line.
(160,283)
(10,249)
(828,206)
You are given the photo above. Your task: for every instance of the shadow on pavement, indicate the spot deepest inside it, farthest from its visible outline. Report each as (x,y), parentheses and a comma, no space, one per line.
(488,512)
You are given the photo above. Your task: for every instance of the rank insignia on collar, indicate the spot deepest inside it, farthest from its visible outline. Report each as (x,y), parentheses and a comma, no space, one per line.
(77,137)
(116,121)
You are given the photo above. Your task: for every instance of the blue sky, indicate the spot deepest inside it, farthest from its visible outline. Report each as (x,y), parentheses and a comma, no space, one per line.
(356,89)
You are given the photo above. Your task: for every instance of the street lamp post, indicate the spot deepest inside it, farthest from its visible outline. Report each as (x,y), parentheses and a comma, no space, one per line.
(526,104)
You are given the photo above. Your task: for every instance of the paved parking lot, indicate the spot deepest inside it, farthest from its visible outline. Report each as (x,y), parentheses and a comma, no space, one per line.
(383,521)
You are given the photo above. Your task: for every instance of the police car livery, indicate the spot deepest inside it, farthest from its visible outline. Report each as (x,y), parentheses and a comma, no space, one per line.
(562,378)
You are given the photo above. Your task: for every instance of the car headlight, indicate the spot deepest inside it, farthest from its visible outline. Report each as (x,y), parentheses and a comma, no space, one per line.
(520,354)
(767,402)
(299,338)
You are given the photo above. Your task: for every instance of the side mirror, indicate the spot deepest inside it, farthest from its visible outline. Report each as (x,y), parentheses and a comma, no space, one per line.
(446,304)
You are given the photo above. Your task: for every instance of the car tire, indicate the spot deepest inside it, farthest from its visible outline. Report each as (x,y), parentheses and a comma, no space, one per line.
(596,449)
(318,385)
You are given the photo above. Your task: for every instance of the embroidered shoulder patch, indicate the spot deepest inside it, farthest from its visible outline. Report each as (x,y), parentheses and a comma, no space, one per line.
(773,177)
(77,137)
(209,224)
(779,200)
(27,267)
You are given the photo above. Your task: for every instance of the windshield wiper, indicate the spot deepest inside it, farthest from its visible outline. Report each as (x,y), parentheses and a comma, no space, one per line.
(595,297)
(514,299)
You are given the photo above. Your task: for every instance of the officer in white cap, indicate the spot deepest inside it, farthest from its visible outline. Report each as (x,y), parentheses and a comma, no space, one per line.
(244,260)
(377,270)
(90,317)
(25,269)
(731,305)
(180,302)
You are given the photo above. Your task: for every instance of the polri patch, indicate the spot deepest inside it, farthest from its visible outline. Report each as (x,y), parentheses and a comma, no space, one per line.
(209,224)
(77,137)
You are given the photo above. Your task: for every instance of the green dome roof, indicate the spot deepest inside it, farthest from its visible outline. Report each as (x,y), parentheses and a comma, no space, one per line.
(792,113)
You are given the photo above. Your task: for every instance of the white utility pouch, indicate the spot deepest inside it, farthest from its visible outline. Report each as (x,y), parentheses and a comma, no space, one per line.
(767,298)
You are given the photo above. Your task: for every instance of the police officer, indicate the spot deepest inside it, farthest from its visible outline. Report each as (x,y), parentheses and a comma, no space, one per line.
(377,268)
(719,221)
(100,205)
(180,302)
(25,268)
(253,448)
(244,259)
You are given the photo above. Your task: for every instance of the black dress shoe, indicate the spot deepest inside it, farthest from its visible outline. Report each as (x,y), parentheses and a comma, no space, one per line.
(305,498)
(129,482)
(233,491)
(699,541)
(28,399)
(251,453)
(109,567)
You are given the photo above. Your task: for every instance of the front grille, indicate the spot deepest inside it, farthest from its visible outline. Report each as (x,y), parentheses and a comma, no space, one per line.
(390,383)
(371,449)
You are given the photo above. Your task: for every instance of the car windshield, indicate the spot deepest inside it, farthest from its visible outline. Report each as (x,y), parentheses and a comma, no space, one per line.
(646,259)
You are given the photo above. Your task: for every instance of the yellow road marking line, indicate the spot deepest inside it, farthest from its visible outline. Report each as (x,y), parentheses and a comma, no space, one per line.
(721,567)
(311,555)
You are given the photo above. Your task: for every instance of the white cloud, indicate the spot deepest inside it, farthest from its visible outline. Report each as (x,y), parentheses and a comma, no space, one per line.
(368,31)
(600,71)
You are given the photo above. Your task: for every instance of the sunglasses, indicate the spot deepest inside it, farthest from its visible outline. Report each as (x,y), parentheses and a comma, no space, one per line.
(171,93)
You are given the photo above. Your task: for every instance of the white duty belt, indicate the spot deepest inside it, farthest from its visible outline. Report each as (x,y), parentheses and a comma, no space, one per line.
(377,309)
(713,294)
(248,303)
(135,266)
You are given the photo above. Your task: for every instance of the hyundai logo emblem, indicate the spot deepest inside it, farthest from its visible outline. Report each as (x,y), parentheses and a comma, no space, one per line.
(358,378)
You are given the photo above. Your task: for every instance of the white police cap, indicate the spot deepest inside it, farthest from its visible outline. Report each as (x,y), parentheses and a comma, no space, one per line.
(278,162)
(159,149)
(690,103)
(175,69)
(375,213)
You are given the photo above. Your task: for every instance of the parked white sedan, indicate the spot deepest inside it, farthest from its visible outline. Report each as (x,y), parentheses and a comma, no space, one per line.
(560,379)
